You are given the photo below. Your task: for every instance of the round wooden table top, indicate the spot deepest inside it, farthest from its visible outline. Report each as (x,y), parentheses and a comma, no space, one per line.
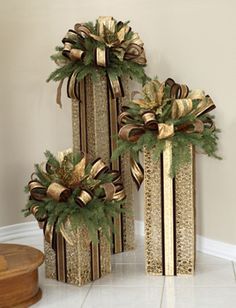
(18,259)
(19,275)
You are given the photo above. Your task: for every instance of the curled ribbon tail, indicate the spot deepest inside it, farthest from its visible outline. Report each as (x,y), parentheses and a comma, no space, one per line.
(115,85)
(73,87)
(137,172)
(59,88)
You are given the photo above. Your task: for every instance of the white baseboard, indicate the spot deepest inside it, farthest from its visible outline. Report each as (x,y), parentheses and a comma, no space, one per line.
(205,245)
(216,248)
(21,230)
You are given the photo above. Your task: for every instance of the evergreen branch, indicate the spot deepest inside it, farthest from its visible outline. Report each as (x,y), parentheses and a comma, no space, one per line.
(95,215)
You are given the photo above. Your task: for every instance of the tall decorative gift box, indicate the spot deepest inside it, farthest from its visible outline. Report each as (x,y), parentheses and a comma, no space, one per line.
(74,202)
(98,61)
(94,119)
(167,123)
(169,215)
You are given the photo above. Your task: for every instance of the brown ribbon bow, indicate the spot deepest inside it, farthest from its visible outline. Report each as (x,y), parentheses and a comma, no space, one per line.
(182,104)
(60,193)
(113,38)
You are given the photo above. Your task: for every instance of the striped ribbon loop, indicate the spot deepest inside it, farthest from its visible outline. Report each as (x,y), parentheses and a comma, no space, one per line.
(183,102)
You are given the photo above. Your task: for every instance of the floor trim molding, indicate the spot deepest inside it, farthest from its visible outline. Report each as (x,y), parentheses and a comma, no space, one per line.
(205,245)
(17,231)
(216,248)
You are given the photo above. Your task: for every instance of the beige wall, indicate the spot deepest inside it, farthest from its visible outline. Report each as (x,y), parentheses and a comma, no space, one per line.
(193,41)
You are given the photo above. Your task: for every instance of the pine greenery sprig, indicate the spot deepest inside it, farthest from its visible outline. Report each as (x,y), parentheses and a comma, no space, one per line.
(87,66)
(206,141)
(97,214)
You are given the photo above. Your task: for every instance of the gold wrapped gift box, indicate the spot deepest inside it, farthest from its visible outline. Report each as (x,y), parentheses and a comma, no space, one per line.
(94,119)
(79,263)
(169,216)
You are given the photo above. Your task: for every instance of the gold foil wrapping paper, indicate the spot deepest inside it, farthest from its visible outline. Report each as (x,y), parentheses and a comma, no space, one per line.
(169,216)
(79,263)
(94,120)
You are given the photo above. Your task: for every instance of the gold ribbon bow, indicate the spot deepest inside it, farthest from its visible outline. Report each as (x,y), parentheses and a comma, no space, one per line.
(183,102)
(61,193)
(132,132)
(113,38)
(112,35)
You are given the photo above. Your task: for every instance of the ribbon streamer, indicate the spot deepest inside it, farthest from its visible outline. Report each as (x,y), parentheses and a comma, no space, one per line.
(41,222)
(137,172)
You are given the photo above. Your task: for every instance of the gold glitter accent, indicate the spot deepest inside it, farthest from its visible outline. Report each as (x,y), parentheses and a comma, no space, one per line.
(185,216)
(78,259)
(50,261)
(105,256)
(97,119)
(75,125)
(152,214)
(98,146)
